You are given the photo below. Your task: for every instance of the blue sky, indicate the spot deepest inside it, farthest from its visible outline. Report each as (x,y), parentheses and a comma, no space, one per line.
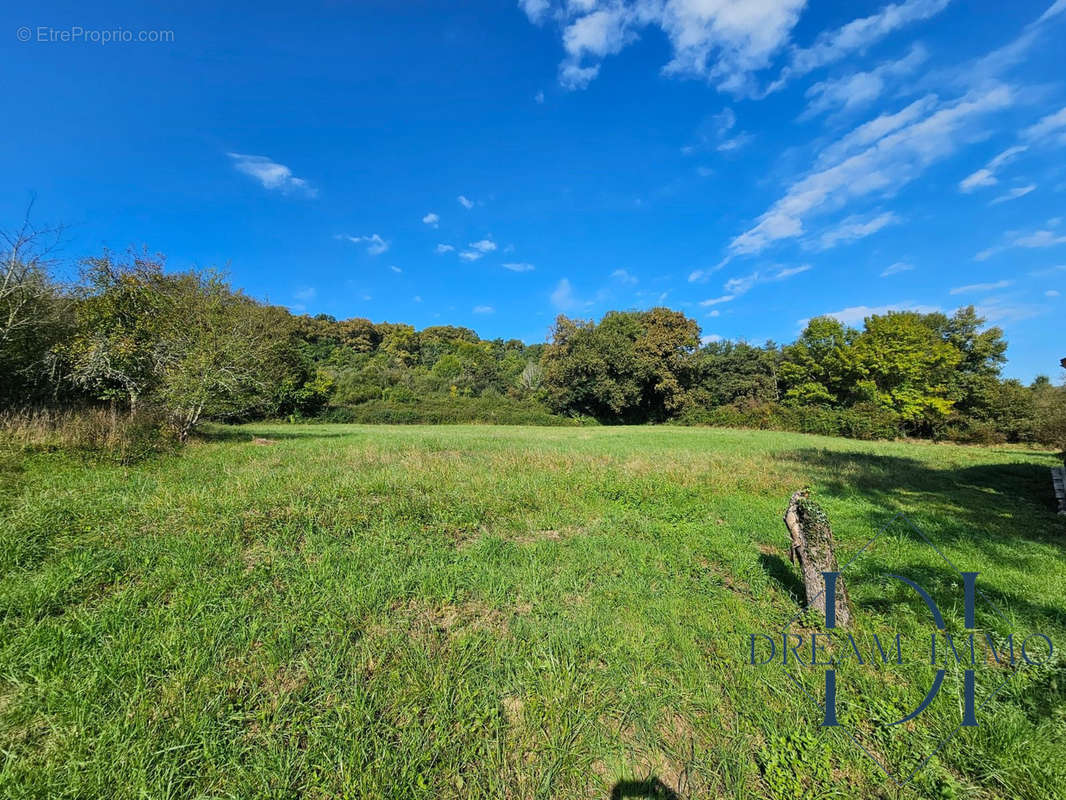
(752,163)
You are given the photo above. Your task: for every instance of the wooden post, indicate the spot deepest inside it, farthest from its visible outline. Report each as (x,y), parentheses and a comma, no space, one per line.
(812,548)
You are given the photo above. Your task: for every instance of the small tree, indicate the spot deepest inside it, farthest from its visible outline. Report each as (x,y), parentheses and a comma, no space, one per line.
(220,353)
(32,312)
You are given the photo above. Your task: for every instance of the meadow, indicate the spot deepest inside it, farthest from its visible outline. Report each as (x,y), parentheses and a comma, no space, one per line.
(493,611)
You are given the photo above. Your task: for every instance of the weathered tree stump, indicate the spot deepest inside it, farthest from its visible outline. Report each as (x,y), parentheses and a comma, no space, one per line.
(812,549)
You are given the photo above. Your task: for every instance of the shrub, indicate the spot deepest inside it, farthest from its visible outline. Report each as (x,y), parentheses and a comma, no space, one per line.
(496,409)
(863,421)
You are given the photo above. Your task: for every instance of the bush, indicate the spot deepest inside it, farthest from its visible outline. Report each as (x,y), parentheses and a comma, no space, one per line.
(120,437)
(447,411)
(863,421)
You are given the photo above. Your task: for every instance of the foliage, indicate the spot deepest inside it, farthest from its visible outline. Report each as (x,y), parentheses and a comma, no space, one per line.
(633,366)
(133,334)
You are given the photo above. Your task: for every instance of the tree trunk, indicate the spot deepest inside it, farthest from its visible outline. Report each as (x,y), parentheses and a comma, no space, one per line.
(812,548)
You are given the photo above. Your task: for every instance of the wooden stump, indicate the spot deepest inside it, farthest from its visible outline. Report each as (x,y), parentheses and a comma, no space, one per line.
(812,549)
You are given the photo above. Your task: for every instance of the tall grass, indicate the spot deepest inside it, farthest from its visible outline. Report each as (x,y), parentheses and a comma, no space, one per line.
(104,432)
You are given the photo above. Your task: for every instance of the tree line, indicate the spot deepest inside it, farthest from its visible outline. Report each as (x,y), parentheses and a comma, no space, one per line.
(181,347)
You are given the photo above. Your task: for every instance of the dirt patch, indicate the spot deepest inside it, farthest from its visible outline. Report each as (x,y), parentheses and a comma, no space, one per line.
(552,534)
(428,621)
(261,442)
(513,709)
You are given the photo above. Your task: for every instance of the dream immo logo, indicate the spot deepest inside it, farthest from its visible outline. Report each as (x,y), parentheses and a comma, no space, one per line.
(976,652)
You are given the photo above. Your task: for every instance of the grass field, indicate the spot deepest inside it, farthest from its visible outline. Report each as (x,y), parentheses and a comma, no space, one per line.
(475,611)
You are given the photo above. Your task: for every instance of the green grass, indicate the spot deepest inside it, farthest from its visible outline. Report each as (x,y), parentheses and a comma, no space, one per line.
(476,611)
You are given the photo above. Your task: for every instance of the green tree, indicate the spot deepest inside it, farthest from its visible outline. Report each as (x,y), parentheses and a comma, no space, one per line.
(907,367)
(633,366)
(820,367)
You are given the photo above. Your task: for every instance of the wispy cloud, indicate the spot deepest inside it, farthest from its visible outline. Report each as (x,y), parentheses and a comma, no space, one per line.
(1014,194)
(562,297)
(885,166)
(303,297)
(431,219)
(980,287)
(375,245)
(741,285)
(518,266)
(895,269)
(470,255)
(1034,239)
(464,202)
(853,315)
(484,309)
(857,35)
(859,89)
(395,269)
(854,228)
(986,176)
(271,174)
(1051,128)
(445,248)
(623,276)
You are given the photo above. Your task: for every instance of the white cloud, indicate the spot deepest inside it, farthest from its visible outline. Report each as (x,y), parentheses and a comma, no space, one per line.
(895,269)
(869,132)
(790,271)
(1035,239)
(710,338)
(483,309)
(1014,194)
(470,255)
(883,167)
(445,248)
(857,35)
(713,301)
(723,42)
(986,176)
(375,245)
(1051,293)
(271,174)
(562,297)
(417,298)
(853,315)
(713,133)
(714,312)
(538,98)
(735,143)
(1006,309)
(980,287)
(395,269)
(464,202)
(1053,126)
(483,245)
(1039,239)
(535,9)
(519,266)
(854,228)
(305,295)
(431,219)
(623,276)
(859,89)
